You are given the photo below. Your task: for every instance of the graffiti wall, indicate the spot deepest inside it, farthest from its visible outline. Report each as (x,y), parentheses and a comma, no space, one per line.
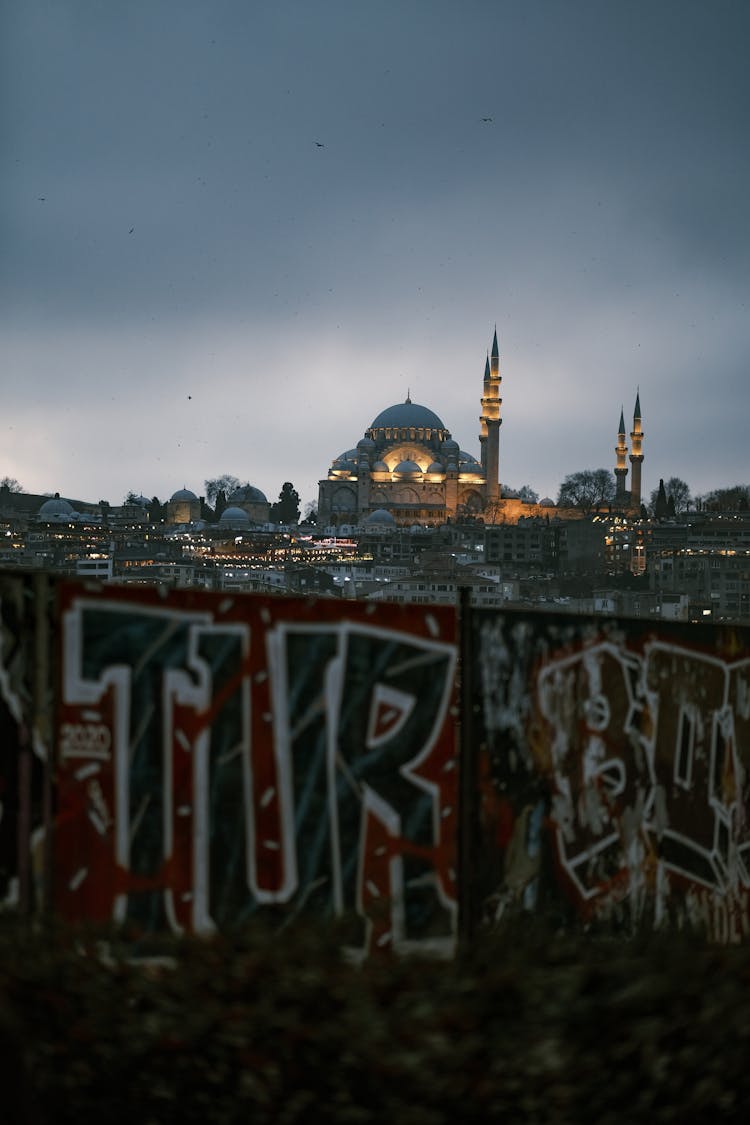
(224,758)
(26,711)
(614,770)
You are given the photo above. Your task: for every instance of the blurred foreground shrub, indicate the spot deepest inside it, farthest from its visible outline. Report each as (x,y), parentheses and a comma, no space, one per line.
(259,1027)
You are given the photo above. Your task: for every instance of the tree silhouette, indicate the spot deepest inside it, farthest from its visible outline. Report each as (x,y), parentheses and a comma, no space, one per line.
(286,508)
(587,490)
(734,499)
(677,491)
(221,502)
(660,507)
(225,483)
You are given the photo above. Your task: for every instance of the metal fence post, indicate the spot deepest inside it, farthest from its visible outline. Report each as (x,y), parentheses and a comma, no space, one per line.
(468,825)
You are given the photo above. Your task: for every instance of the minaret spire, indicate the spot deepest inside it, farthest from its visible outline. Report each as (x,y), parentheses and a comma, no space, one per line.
(621,468)
(491,421)
(483,420)
(636,456)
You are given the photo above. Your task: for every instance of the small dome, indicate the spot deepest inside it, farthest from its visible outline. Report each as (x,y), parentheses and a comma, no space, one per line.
(467,459)
(344,465)
(55,509)
(380,516)
(247,494)
(234,515)
(546,503)
(451,446)
(407,468)
(380,467)
(407,414)
(435,467)
(183,494)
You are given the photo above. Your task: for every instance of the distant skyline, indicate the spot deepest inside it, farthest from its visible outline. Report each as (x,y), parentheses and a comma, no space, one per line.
(233,233)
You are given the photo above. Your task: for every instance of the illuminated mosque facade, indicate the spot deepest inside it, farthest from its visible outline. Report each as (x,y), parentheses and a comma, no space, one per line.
(407,469)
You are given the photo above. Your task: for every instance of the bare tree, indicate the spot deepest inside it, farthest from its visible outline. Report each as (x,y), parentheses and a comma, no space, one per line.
(225,483)
(677,493)
(587,490)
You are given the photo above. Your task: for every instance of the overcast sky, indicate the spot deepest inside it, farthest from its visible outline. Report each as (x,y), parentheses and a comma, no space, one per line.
(233,231)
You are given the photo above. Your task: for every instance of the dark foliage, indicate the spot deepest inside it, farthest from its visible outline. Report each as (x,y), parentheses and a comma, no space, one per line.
(286,508)
(534,1026)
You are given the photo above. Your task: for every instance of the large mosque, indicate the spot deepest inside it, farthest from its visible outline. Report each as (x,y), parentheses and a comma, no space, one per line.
(407,469)
(407,464)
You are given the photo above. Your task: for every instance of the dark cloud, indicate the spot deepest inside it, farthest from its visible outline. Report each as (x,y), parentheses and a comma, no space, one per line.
(302,209)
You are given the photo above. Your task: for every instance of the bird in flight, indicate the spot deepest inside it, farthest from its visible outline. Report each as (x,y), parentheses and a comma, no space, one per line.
(131,230)
(320,144)
(487,119)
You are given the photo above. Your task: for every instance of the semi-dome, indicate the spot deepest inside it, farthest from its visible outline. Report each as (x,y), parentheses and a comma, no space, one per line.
(183,494)
(405,415)
(407,468)
(466,458)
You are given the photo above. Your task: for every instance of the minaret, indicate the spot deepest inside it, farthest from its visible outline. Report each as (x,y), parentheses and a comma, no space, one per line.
(621,468)
(636,456)
(483,420)
(491,422)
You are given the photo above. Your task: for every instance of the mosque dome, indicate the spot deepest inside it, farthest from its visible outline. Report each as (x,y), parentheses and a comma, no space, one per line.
(247,494)
(380,467)
(234,515)
(56,509)
(183,494)
(405,415)
(435,467)
(380,517)
(546,503)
